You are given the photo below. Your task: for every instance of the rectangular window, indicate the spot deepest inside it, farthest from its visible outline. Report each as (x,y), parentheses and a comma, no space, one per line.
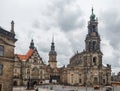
(1,67)
(1,50)
(80,81)
(103,80)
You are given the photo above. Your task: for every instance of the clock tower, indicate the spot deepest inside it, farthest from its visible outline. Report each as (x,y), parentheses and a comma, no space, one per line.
(52,56)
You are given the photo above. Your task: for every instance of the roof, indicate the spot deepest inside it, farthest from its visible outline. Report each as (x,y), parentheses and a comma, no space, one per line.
(25,57)
(6,33)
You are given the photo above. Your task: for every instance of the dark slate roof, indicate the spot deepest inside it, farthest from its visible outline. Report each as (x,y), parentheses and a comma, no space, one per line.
(7,33)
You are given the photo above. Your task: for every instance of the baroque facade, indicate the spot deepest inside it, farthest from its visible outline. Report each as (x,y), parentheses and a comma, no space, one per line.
(7,44)
(86,68)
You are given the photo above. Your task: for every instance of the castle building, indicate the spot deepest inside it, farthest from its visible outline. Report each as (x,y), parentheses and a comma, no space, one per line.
(7,44)
(86,68)
(31,66)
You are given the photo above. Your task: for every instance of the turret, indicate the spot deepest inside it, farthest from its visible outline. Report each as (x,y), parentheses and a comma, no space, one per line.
(32,45)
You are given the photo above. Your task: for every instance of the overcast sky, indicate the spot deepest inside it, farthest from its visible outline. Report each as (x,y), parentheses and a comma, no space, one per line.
(67,20)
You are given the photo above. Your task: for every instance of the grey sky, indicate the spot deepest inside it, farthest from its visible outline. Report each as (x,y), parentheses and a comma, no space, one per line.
(67,19)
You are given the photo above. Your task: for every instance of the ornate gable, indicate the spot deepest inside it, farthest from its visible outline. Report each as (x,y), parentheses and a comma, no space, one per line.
(35,58)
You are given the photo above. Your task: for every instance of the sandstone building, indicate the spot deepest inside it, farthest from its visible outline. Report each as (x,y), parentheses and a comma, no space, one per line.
(7,44)
(85,68)
(31,66)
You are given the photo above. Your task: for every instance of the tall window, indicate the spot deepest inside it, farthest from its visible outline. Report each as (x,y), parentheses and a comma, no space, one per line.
(104,81)
(0,87)
(1,67)
(95,61)
(94,45)
(28,71)
(95,80)
(89,46)
(1,50)
(80,80)
(15,70)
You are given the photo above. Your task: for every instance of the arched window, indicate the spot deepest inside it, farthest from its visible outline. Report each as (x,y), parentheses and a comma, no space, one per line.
(89,46)
(1,50)
(94,45)
(94,60)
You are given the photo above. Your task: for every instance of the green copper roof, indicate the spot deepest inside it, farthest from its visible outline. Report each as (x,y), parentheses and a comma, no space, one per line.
(92,17)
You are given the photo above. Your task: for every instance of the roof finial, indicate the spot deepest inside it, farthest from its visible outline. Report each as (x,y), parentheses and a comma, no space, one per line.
(12,27)
(92,17)
(92,10)
(52,38)
(32,45)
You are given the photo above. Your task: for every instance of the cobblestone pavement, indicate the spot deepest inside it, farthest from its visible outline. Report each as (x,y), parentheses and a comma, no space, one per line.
(66,88)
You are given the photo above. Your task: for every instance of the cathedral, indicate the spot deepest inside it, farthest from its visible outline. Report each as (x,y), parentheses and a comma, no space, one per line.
(84,68)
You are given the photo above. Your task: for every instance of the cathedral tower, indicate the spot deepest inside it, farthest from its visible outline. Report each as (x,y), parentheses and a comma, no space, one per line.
(52,56)
(93,51)
(93,39)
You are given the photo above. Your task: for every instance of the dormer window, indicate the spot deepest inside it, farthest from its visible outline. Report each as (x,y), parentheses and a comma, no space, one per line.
(1,50)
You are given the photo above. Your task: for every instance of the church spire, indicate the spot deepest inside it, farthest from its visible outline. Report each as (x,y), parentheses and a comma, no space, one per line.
(52,55)
(52,51)
(52,44)
(32,45)
(53,38)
